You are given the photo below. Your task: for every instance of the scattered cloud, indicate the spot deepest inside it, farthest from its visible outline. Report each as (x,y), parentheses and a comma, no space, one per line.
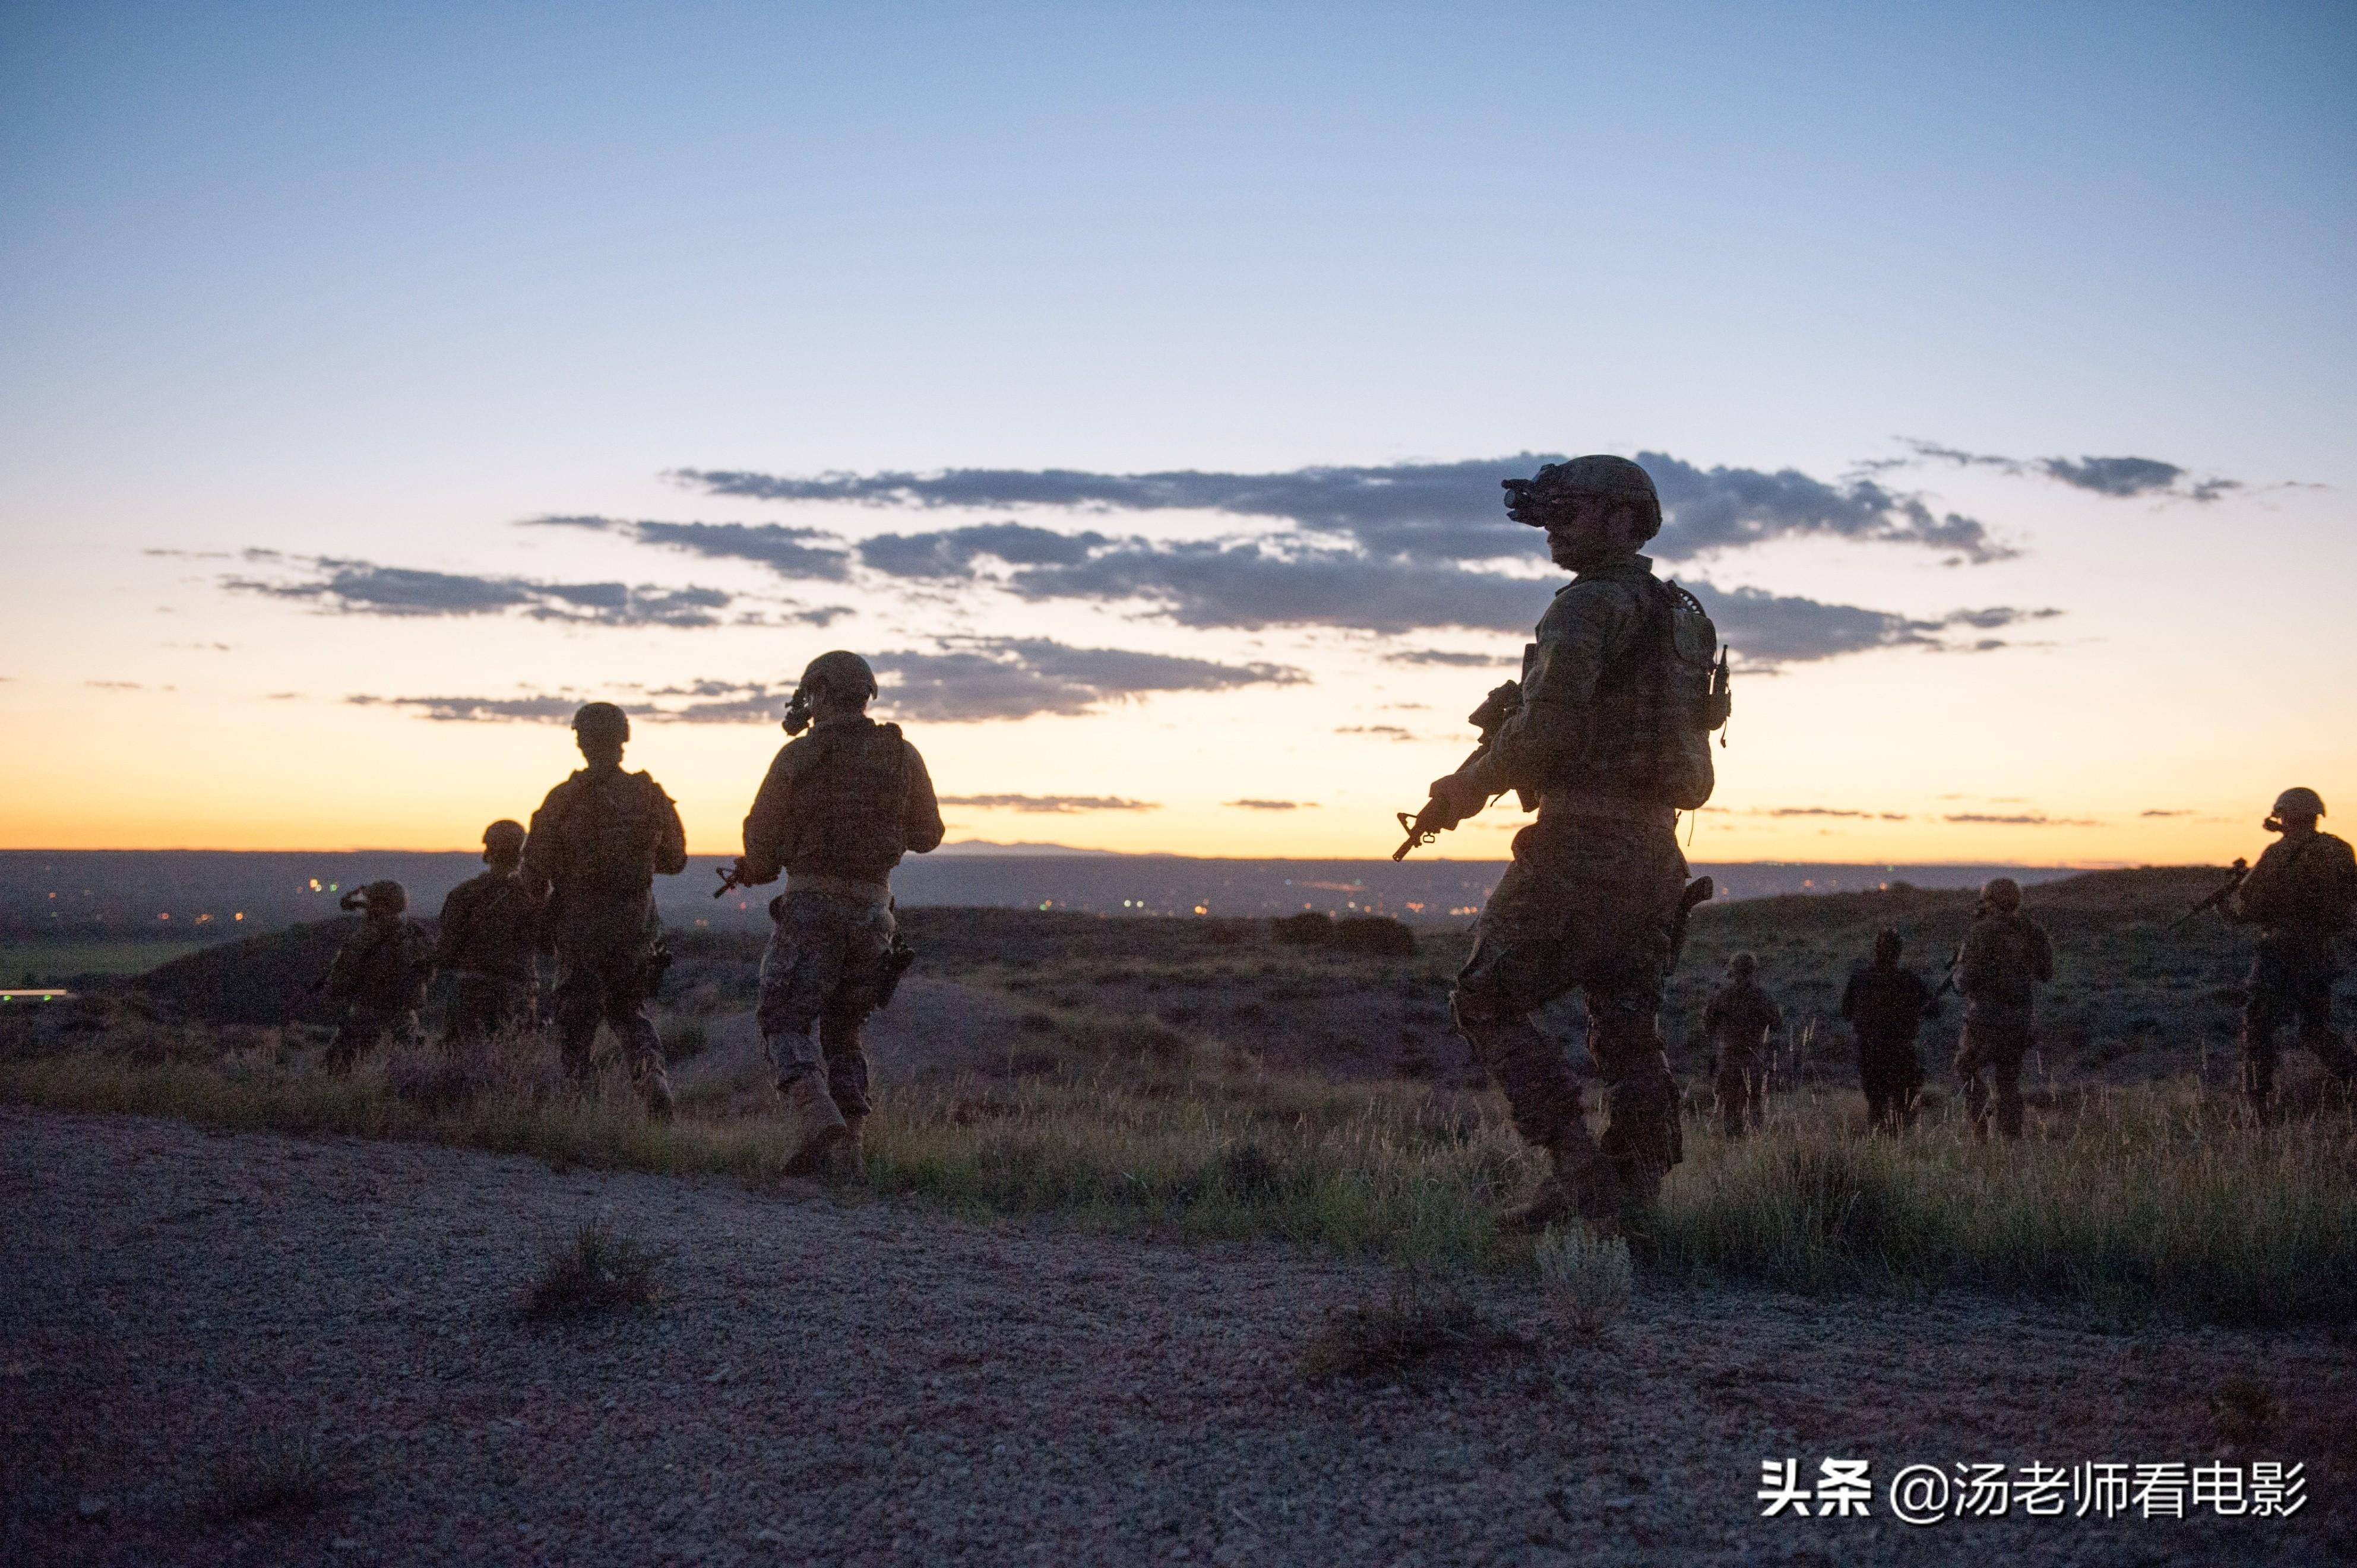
(1445,511)
(1453,661)
(1250,805)
(477,710)
(2022,820)
(115,685)
(1774,629)
(806,552)
(363,587)
(1389,732)
(1058,804)
(2164,814)
(2122,477)
(1827,811)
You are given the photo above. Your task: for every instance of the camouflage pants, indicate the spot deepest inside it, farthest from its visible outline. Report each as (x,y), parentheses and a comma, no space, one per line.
(826,965)
(1892,1074)
(363,1028)
(1740,1082)
(601,978)
(1587,903)
(1991,1052)
(2291,983)
(482,1005)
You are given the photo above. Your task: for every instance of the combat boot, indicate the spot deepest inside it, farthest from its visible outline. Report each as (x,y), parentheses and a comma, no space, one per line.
(850,1149)
(655,1085)
(823,1126)
(1581,1187)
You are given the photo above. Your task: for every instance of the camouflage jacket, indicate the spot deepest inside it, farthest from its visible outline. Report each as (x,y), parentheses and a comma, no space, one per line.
(382,968)
(491,925)
(1885,1003)
(2303,887)
(847,799)
(2004,958)
(1739,1017)
(603,836)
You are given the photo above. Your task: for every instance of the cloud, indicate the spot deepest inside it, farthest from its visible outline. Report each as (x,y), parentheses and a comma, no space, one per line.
(363,587)
(2022,820)
(1435,511)
(2164,814)
(2121,478)
(1389,732)
(1250,805)
(951,552)
(1059,804)
(115,685)
(807,553)
(1827,811)
(1453,661)
(1774,629)
(963,680)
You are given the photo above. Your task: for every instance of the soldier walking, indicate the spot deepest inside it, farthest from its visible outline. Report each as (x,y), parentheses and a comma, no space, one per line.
(837,810)
(1617,702)
(2300,895)
(1884,1005)
(596,844)
(1738,1020)
(2004,959)
(379,975)
(490,943)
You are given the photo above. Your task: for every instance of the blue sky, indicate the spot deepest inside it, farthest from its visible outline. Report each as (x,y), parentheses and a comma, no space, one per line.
(378,287)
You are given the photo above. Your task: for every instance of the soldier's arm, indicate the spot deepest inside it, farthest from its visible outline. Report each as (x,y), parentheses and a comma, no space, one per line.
(2044,953)
(2260,892)
(1849,1000)
(922,828)
(544,848)
(773,812)
(452,940)
(671,849)
(1582,630)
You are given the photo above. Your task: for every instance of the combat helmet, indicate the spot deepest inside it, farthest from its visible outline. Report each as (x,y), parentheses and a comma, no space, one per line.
(1888,943)
(2297,801)
(843,672)
(1743,966)
(601,719)
(2001,892)
(385,897)
(1541,498)
(504,840)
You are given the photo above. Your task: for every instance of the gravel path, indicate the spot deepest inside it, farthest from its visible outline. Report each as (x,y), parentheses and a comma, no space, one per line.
(869,1384)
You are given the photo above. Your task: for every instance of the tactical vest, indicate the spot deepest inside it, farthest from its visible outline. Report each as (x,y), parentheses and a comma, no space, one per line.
(1649,720)
(1998,963)
(850,803)
(612,830)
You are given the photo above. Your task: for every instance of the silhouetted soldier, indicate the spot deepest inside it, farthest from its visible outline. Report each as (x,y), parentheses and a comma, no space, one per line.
(490,943)
(1612,737)
(838,808)
(2003,959)
(598,843)
(2300,895)
(379,975)
(1885,1005)
(1738,1020)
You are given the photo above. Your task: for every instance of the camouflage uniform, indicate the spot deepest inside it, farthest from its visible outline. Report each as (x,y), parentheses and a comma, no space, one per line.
(1998,968)
(837,810)
(1884,1005)
(1594,889)
(598,841)
(1737,1019)
(490,943)
(379,979)
(2301,895)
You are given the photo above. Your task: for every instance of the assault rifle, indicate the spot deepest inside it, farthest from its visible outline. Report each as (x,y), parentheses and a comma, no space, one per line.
(2217,900)
(730,881)
(1436,818)
(1698,892)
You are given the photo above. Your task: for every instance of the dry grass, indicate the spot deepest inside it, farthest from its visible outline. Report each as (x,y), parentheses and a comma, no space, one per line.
(596,1269)
(272,1472)
(1590,1279)
(1426,1322)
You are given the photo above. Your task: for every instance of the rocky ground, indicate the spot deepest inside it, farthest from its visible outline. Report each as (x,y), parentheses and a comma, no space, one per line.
(868,1384)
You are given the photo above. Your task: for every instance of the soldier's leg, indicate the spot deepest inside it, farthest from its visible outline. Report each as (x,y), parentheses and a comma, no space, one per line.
(580,1005)
(1727,1088)
(1972,1063)
(1641,1137)
(2263,1018)
(2313,1001)
(358,1031)
(2005,1067)
(1501,985)
(473,1011)
(866,952)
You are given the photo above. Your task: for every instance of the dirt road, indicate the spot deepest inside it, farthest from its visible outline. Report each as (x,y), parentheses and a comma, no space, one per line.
(867,1384)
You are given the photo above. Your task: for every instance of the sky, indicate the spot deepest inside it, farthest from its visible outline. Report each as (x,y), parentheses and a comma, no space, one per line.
(1132,386)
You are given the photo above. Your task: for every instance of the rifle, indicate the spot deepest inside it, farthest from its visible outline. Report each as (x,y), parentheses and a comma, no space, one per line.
(1430,823)
(728,881)
(2217,900)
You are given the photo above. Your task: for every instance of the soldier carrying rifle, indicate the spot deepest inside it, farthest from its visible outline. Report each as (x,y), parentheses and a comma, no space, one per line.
(1611,736)
(2301,895)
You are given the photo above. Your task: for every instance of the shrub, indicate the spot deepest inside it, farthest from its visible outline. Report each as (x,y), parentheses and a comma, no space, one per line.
(275,1472)
(1589,1278)
(1423,1322)
(598,1271)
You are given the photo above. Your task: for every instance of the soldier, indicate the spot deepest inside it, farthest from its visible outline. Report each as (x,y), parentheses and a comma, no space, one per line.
(1737,1019)
(2301,895)
(836,812)
(1885,1005)
(490,941)
(2004,958)
(595,846)
(1611,734)
(379,974)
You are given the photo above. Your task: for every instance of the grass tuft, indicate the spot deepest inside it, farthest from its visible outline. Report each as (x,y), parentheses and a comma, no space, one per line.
(598,1271)
(1424,1322)
(276,1472)
(1589,1278)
